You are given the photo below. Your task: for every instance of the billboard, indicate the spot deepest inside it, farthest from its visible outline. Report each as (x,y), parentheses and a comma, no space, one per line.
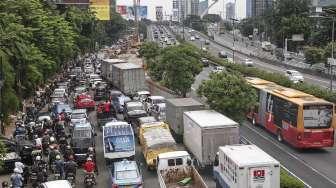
(101,9)
(122,10)
(142,12)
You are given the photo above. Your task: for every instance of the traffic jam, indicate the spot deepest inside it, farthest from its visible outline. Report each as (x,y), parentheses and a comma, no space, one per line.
(56,138)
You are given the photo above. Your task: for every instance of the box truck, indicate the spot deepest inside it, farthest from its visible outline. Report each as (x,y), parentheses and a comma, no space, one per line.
(106,67)
(174,114)
(246,166)
(128,77)
(205,131)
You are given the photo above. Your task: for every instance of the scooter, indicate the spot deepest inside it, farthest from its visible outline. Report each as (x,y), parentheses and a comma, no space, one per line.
(71,178)
(89,180)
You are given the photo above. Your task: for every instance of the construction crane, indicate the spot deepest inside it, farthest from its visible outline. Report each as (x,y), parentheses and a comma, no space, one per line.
(206,10)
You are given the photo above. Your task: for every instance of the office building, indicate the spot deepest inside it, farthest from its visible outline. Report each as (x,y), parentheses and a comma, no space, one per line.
(230,11)
(203,5)
(259,6)
(323,3)
(248,8)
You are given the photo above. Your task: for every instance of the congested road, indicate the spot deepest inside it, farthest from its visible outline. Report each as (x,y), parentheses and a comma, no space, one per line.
(314,167)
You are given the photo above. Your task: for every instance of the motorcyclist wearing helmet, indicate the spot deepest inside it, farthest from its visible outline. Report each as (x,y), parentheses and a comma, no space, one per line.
(92,154)
(68,152)
(16,179)
(70,166)
(89,168)
(52,155)
(59,166)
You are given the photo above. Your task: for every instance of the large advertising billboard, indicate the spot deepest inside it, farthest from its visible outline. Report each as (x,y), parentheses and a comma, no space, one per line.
(159,13)
(122,10)
(127,12)
(101,9)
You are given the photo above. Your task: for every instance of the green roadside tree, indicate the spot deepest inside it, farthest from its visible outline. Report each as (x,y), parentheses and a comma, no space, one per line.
(228,93)
(181,65)
(212,18)
(314,55)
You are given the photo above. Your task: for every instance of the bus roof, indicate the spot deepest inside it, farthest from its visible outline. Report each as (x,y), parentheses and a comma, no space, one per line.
(295,96)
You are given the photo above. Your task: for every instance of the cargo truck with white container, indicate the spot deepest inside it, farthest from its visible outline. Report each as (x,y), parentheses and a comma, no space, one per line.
(174,114)
(128,77)
(175,170)
(245,166)
(205,131)
(106,67)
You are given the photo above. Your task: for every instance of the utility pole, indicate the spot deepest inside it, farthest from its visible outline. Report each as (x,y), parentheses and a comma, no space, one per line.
(136,20)
(332,54)
(234,39)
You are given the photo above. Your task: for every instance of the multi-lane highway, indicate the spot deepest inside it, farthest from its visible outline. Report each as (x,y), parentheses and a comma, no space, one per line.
(214,48)
(315,167)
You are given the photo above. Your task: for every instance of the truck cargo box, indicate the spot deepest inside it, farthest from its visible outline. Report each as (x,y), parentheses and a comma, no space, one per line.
(205,131)
(106,67)
(128,77)
(174,113)
(246,166)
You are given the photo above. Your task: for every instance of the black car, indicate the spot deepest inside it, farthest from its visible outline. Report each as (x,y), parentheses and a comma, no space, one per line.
(205,62)
(100,93)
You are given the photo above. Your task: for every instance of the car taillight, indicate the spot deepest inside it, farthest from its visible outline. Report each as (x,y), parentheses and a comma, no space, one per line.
(115,186)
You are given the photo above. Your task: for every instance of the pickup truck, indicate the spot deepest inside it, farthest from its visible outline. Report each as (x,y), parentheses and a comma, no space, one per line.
(175,170)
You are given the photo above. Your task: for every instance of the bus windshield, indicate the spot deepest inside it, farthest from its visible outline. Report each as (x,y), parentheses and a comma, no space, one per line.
(317,116)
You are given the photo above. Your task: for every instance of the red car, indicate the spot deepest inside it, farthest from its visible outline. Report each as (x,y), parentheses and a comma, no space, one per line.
(85,103)
(83,96)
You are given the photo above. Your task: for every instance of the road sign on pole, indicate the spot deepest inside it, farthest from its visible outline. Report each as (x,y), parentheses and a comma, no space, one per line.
(331,62)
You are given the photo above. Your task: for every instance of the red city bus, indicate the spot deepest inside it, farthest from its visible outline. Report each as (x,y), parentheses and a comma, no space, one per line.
(300,119)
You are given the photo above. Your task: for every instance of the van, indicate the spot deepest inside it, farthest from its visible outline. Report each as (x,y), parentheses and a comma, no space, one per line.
(56,184)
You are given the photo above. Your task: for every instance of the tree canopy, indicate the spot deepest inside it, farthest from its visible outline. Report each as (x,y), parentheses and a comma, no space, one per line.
(37,40)
(228,93)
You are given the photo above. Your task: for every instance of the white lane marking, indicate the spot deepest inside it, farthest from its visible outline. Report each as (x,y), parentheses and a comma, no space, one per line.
(292,155)
(291,173)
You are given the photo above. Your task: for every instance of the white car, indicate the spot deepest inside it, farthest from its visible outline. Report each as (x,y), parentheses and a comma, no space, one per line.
(294,76)
(197,37)
(192,38)
(218,69)
(56,184)
(153,100)
(248,62)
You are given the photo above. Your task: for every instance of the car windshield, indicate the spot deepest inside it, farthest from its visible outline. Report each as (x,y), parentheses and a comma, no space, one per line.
(77,116)
(135,107)
(127,174)
(82,134)
(157,101)
(296,74)
(317,116)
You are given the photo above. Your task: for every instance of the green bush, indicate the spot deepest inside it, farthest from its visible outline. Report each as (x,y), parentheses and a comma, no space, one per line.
(276,78)
(287,181)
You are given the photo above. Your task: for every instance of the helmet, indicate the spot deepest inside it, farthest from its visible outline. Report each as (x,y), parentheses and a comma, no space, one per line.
(58,157)
(89,159)
(16,170)
(35,136)
(68,147)
(90,149)
(52,147)
(52,139)
(38,158)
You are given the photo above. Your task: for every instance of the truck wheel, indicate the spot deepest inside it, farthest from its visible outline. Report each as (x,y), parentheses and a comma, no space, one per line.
(279,136)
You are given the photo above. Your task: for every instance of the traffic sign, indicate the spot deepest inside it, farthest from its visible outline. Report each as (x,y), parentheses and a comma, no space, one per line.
(331,62)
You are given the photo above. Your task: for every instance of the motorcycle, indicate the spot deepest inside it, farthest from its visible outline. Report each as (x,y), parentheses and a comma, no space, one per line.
(34,179)
(71,178)
(89,180)
(57,175)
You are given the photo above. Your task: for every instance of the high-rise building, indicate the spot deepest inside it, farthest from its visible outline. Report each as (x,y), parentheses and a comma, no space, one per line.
(230,11)
(248,8)
(323,3)
(194,4)
(203,5)
(259,6)
(176,12)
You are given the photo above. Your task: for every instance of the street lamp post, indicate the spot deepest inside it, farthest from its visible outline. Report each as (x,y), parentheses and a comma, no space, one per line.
(332,53)
(2,80)
(234,38)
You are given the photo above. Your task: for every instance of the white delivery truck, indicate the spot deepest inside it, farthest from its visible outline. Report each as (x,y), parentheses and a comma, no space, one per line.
(128,77)
(174,114)
(205,131)
(175,170)
(106,67)
(246,166)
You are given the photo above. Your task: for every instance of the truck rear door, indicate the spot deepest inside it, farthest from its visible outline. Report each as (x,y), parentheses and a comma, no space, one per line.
(259,177)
